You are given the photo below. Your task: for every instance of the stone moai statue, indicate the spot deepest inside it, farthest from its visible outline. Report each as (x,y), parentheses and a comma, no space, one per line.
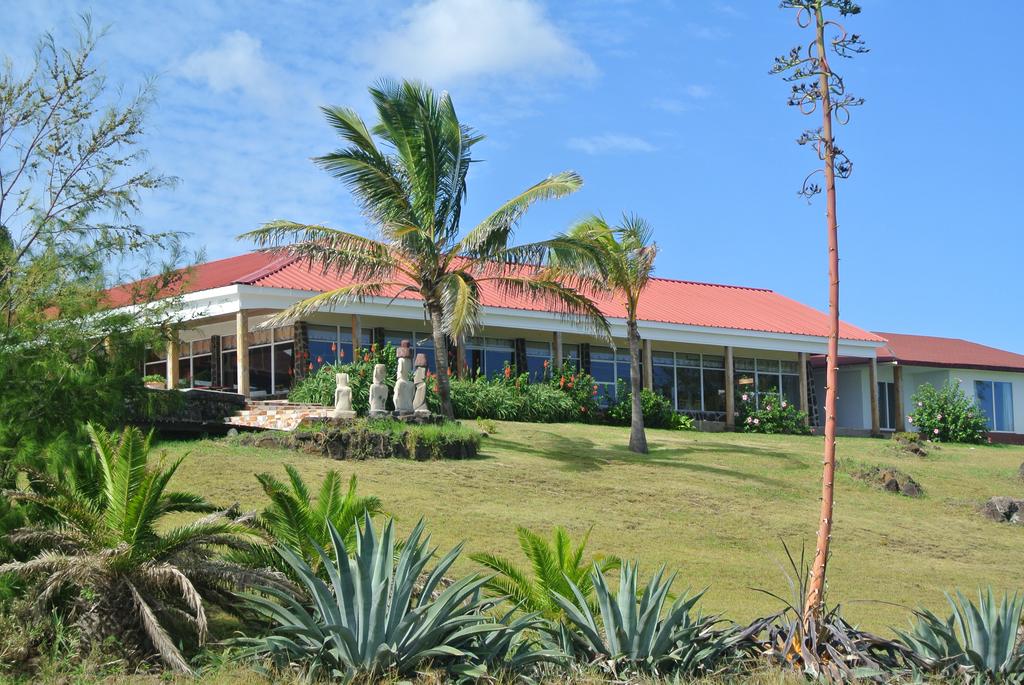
(379,392)
(419,399)
(342,397)
(404,389)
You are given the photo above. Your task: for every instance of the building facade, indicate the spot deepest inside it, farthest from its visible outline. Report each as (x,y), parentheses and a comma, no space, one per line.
(699,340)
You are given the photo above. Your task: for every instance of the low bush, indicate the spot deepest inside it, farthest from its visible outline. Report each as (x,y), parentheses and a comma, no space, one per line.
(947,415)
(775,415)
(657,410)
(318,386)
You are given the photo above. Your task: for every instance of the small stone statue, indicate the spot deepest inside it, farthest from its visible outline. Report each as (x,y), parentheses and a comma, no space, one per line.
(419,399)
(403,351)
(379,393)
(342,397)
(404,388)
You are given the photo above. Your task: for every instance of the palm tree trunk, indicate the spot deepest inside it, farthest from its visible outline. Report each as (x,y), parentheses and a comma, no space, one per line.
(816,588)
(441,360)
(637,436)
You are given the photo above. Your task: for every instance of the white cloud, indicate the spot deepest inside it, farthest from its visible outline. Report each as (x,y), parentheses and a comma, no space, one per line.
(707,32)
(610,143)
(698,92)
(730,10)
(236,64)
(442,41)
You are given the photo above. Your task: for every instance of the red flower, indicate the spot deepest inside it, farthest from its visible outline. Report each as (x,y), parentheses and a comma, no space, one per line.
(545,363)
(311,366)
(508,372)
(595,391)
(561,382)
(334,347)
(319,359)
(290,372)
(341,355)
(366,357)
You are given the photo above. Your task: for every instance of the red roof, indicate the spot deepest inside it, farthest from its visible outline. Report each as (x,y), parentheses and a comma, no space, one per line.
(927,350)
(665,300)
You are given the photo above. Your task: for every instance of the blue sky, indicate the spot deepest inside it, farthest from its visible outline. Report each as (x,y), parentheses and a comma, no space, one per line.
(665,108)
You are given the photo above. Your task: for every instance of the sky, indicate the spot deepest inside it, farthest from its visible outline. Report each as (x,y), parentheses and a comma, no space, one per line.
(666,108)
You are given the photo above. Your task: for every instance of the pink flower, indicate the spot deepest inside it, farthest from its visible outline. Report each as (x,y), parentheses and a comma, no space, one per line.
(744,398)
(749,419)
(920,404)
(784,405)
(757,422)
(910,419)
(936,431)
(939,417)
(768,408)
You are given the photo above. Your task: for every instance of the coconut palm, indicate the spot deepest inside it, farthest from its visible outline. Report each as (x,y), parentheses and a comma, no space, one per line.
(408,173)
(294,520)
(104,558)
(625,256)
(553,566)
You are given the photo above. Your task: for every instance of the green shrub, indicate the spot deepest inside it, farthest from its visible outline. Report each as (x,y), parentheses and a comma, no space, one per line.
(947,415)
(657,410)
(318,386)
(568,396)
(775,415)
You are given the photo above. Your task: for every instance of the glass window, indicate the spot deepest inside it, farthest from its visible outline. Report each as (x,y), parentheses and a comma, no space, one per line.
(744,364)
(995,398)
(571,355)
(790,367)
(260,376)
(663,358)
(664,381)
(185,372)
(686,359)
(395,338)
(886,406)
(767,382)
(688,386)
(283,373)
(323,345)
(711,361)
(601,354)
(714,389)
(202,370)
(791,389)
(537,354)
(229,369)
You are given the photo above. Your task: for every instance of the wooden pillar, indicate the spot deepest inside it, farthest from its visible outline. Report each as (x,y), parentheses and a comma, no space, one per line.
(357,337)
(804,400)
(173,353)
(558,351)
(242,351)
(897,389)
(730,391)
(648,361)
(876,424)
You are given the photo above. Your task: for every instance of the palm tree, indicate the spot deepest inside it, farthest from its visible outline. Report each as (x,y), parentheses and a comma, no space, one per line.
(102,549)
(412,187)
(625,261)
(553,565)
(295,521)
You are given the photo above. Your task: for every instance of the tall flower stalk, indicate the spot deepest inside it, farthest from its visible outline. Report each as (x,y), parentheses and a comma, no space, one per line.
(818,89)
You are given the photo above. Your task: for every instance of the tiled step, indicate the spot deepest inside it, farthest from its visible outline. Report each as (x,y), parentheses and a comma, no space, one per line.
(276,415)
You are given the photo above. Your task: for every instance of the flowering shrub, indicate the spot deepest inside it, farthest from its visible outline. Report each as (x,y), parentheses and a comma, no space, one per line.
(318,386)
(657,410)
(947,415)
(776,415)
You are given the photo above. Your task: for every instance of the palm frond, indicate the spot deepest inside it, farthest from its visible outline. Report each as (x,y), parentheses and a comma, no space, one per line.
(492,234)
(161,641)
(460,298)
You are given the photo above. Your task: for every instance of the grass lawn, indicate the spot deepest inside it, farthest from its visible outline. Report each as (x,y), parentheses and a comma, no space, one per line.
(712,506)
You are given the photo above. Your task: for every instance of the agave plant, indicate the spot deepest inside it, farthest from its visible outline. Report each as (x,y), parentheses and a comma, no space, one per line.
(554,565)
(371,617)
(632,635)
(105,560)
(976,640)
(294,520)
(823,646)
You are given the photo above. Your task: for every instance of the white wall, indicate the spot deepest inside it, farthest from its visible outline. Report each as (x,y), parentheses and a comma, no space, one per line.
(853,405)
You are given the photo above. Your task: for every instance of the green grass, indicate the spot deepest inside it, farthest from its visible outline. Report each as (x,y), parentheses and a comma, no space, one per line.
(712,506)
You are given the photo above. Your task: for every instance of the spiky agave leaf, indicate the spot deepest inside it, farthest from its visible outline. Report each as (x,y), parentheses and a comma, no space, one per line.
(366,617)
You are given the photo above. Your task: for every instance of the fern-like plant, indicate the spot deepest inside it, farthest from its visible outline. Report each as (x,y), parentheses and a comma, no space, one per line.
(977,641)
(371,616)
(106,560)
(553,566)
(294,520)
(631,635)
